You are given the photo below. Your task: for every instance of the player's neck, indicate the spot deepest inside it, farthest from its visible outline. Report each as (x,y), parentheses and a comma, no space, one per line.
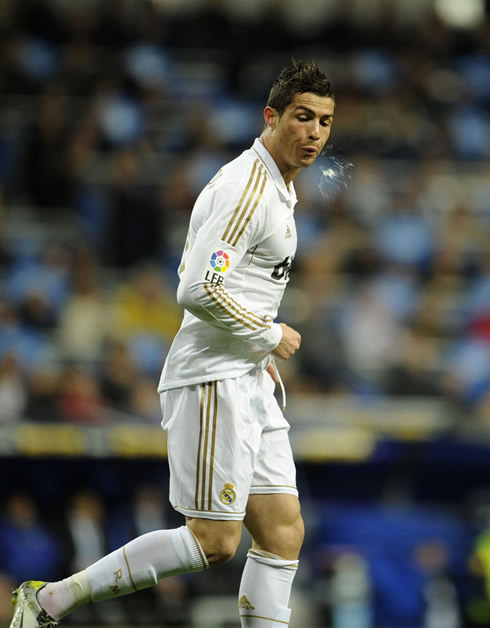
(288,173)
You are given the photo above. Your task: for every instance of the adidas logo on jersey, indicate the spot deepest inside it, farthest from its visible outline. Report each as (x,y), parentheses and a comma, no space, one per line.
(244,602)
(288,232)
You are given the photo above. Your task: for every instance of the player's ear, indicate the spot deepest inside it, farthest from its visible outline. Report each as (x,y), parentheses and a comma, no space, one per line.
(271,117)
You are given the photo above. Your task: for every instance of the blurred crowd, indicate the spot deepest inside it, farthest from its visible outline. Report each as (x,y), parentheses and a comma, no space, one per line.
(113,116)
(84,530)
(363,566)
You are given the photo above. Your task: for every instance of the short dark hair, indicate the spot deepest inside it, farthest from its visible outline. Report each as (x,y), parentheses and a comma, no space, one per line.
(298,78)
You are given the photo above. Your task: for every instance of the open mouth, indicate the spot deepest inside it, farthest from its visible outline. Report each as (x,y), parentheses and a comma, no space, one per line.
(310,151)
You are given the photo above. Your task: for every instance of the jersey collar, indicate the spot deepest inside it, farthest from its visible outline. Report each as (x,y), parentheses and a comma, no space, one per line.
(288,194)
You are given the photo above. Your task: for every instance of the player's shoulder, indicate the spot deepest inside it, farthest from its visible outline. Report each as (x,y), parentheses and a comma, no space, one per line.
(238,198)
(246,172)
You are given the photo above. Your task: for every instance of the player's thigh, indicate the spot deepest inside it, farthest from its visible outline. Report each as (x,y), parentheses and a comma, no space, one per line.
(275,523)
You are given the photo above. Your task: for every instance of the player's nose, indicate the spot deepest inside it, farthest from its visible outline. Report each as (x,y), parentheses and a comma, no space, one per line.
(315,131)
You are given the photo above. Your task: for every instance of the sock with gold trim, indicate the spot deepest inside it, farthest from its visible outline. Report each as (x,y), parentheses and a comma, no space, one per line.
(135,566)
(265,589)
(144,561)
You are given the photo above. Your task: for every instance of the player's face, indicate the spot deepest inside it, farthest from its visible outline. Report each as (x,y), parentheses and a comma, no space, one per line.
(296,138)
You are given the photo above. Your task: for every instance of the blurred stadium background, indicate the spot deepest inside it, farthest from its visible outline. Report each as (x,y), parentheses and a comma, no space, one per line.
(113,115)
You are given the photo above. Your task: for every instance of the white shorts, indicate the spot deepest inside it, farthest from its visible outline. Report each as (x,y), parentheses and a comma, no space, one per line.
(226,440)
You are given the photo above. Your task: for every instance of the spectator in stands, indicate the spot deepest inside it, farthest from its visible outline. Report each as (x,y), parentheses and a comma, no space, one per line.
(25,540)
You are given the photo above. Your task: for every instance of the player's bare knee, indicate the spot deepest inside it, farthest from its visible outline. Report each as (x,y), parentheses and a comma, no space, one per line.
(221,551)
(286,539)
(292,529)
(292,535)
(218,540)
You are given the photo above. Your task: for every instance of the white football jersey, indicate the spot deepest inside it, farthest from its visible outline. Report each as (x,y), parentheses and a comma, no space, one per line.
(233,273)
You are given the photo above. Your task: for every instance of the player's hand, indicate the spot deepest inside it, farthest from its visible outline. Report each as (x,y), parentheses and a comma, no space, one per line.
(290,343)
(271,369)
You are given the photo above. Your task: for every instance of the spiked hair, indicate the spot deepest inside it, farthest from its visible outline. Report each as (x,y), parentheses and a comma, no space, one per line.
(298,78)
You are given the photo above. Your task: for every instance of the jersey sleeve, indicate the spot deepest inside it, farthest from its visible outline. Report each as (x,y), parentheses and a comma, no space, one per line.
(227,222)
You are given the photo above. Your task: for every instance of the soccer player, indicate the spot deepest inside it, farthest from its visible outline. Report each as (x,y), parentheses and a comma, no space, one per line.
(229,453)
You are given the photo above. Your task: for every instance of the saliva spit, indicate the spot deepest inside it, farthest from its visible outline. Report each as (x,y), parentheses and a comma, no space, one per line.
(334,173)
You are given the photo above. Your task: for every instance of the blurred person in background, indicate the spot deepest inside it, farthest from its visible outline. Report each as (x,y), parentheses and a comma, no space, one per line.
(133,233)
(116,376)
(50,183)
(145,317)
(43,394)
(79,397)
(25,539)
(83,325)
(13,395)
(87,541)
(229,452)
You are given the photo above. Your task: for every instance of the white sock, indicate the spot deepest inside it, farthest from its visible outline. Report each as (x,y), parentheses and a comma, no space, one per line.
(135,566)
(59,599)
(265,589)
(144,561)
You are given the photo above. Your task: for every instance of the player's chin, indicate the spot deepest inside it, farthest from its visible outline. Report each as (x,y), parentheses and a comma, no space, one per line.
(307,161)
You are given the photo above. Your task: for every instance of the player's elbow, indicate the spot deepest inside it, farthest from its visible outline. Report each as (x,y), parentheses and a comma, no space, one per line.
(189,297)
(186,297)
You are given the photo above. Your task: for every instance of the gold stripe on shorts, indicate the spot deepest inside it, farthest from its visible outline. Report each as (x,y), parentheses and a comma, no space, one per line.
(206,447)
(198,462)
(207,408)
(213,444)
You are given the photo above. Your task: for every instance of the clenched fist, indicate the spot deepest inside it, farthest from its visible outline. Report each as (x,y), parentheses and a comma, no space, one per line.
(290,343)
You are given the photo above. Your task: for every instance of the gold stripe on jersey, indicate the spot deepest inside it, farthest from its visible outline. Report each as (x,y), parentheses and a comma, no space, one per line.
(247,203)
(251,212)
(223,300)
(263,321)
(260,321)
(242,199)
(216,300)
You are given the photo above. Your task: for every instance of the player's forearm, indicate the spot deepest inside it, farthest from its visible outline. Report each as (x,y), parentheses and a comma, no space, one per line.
(216,306)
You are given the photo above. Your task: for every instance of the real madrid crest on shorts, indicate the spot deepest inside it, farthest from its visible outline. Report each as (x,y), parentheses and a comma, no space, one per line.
(228,495)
